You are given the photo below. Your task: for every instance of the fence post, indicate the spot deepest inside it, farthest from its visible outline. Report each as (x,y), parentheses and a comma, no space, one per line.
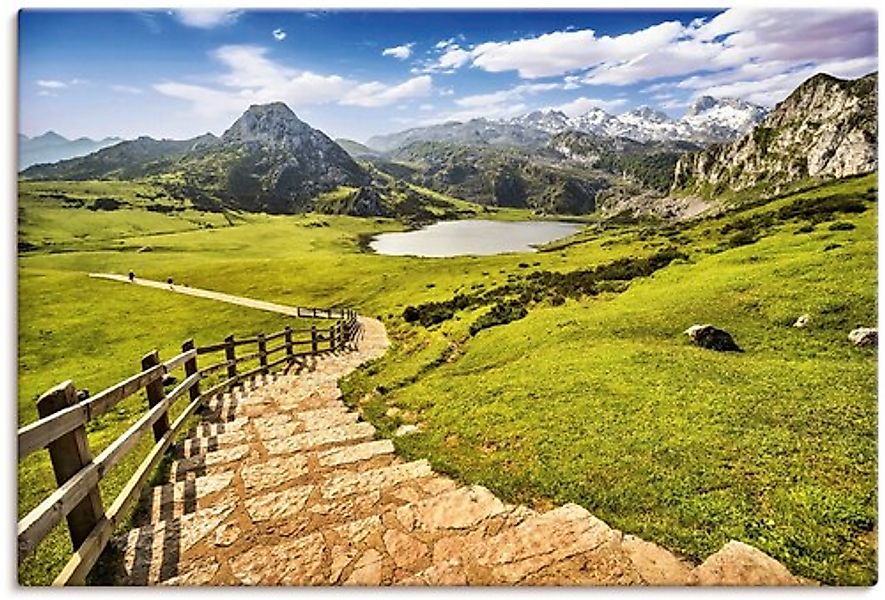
(190,368)
(288,338)
(68,455)
(155,393)
(313,339)
(230,355)
(262,353)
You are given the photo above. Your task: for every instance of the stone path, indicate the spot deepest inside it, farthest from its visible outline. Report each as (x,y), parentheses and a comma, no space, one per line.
(200,293)
(280,484)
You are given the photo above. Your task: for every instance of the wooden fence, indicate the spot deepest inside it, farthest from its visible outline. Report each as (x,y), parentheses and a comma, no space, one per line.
(63,418)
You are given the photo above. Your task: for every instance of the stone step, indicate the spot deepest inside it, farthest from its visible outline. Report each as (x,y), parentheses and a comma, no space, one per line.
(193,493)
(194,446)
(151,554)
(210,463)
(320,439)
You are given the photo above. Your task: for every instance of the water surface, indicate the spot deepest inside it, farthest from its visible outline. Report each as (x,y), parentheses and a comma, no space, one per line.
(472,237)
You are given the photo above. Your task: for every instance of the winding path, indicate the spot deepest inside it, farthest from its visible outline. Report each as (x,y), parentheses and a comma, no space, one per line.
(282,484)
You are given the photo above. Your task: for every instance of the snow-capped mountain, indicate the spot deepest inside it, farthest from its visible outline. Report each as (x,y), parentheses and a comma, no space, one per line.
(707,120)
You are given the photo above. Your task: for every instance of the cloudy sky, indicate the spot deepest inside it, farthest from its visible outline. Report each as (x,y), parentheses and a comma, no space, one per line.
(357,73)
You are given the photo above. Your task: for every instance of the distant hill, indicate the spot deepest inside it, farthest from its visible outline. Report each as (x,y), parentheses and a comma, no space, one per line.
(268,160)
(355,149)
(52,147)
(827,128)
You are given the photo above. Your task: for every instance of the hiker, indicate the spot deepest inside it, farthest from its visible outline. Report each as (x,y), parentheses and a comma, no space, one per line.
(131,276)
(169,281)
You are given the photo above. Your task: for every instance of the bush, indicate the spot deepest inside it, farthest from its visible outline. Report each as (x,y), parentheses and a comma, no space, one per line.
(500,314)
(744,238)
(841,226)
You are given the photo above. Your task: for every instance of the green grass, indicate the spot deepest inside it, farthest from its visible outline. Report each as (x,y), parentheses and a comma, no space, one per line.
(600,401)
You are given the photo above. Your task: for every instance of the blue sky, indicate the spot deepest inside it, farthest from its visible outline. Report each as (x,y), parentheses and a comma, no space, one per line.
(353,74)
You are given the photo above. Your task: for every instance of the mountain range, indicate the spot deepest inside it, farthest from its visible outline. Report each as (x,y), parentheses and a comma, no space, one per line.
(706,120)
(52,147)
(641,161)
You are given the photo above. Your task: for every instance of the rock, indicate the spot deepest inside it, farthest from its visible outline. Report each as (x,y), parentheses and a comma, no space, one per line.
(458,509)
(405,430)
(802,321)
(712,338)
(367,570)
(278,505)
(406,551)
(864,336)
(352,454)
(737,563)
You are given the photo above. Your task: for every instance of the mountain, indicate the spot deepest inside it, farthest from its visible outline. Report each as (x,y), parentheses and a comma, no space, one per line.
(827,128)
(267,160)
(52,147)
(707,120)
(476,132)
(124,160)
(355,149)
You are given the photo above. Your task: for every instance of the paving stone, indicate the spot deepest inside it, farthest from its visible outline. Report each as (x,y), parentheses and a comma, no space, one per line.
(326,418)
(206,461)
(173,499)
(200,572)
(352,454)
(227,535)
(274,426)
(275,472)
(315,439)
(367,570)
(365,481)
(356,532)
(203,445)
(277,505)
(541,541)
(342,556)
(406,551)
(297,561)
(458,509)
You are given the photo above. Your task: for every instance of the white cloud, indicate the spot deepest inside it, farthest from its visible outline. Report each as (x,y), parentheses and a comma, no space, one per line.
(206,18)
(425,107)
(513,94)
(759,53)
(279,35)
(401,52)
(51,84)
(253,78)
(375,94)
(127,89)
(45,93)
(581,105)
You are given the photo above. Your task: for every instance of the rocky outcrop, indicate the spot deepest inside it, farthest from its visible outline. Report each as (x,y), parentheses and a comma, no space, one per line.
(827,128)
(712,338)
(864,336)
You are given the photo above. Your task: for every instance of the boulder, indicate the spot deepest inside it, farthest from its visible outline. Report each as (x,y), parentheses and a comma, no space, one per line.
(802,321)
(864,336)
(712,338)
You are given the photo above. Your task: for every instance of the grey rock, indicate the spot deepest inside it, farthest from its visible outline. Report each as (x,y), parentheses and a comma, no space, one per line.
(712,338)
(864,336)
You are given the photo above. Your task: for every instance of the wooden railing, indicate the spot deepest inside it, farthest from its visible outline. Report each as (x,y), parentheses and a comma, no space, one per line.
(63,418)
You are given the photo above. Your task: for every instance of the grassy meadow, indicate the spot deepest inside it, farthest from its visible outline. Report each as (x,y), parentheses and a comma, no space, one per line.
(597,399)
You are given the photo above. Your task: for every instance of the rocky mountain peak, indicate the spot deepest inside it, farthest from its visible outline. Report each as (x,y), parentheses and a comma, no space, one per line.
(273,124)
(827,128)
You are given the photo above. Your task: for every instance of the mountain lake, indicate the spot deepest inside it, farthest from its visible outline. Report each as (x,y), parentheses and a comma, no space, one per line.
(472,237)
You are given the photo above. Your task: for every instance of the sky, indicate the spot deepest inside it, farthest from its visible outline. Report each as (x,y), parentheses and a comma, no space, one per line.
(357,73)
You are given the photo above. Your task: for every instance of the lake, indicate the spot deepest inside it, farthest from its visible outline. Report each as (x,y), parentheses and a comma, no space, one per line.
(472,237)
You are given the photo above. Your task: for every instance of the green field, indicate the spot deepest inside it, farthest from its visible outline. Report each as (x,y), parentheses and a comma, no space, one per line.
(598,400)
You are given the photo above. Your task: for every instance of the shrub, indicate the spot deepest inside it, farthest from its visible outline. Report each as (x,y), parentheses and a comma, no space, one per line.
(500,314)
(841,226)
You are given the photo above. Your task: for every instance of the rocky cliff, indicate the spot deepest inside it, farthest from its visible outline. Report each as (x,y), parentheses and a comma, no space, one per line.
(825,129)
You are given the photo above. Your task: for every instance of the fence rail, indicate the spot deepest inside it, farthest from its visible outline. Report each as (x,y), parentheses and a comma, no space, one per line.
(61,429)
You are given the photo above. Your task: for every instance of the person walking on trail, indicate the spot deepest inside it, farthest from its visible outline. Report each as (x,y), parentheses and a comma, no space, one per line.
(131,276)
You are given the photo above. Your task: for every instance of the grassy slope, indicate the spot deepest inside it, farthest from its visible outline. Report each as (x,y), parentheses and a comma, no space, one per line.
(600,401)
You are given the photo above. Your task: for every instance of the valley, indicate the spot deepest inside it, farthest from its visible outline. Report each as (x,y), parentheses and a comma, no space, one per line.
(555,376)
